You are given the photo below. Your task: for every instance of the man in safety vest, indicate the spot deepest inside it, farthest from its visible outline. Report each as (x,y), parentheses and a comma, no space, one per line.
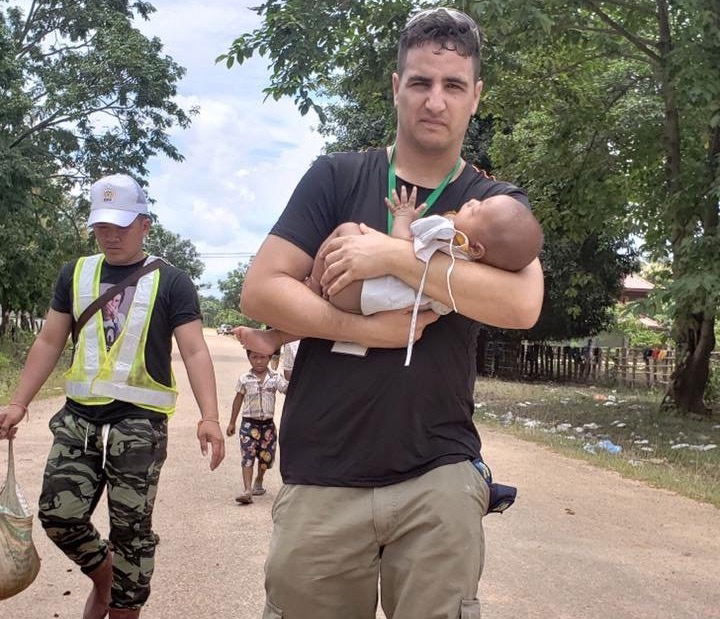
(120,391)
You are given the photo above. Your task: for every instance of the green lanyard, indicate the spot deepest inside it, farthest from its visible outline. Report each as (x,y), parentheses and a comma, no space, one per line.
(432,198)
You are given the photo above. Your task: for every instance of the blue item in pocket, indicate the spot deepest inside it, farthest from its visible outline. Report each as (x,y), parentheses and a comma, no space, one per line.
(501,496)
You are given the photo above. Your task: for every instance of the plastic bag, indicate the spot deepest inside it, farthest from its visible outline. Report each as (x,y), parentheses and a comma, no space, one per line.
(19,561)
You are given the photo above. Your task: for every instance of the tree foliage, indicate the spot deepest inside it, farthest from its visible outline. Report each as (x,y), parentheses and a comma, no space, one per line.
(631,91)
(231,286)
(347,60)
(176,250)
(82,93)
(607,111)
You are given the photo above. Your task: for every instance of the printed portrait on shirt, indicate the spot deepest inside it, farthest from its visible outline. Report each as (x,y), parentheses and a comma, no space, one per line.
(114,313)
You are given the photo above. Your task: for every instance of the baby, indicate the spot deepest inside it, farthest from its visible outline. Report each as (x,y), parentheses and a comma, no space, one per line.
(497,231)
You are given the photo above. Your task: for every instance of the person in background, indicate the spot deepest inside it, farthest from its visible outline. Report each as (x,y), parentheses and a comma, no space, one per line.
(112,430)
(255,397)
(289,352)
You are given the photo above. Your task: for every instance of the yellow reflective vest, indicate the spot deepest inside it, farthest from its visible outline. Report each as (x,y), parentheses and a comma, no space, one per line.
(97,376)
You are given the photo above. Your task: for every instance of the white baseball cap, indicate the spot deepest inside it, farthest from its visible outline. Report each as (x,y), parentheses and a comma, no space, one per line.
(116,199)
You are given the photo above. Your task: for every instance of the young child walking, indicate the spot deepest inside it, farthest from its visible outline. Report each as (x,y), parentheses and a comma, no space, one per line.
(255,396)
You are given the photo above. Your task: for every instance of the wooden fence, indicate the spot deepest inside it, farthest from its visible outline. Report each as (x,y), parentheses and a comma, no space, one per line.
(629,367)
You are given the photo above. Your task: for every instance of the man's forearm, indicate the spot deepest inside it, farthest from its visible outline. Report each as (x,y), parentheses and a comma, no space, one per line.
(202,382)
(273,292)
(489,295)
(288,305)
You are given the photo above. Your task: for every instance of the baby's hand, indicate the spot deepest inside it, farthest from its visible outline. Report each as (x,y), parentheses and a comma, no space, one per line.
(404,206)
(230,429)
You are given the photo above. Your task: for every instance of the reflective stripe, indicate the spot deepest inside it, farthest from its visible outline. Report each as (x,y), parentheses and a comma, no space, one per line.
(80,390)
(137,395)
(87,290)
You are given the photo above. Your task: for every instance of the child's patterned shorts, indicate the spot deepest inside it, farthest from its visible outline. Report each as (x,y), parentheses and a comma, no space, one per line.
(257,441)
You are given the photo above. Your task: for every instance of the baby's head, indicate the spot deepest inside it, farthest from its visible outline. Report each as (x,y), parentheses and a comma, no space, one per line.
(501,232)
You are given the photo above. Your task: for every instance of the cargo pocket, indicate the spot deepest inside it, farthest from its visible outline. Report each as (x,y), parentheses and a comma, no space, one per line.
(470,609)
(57,420)
(273,612)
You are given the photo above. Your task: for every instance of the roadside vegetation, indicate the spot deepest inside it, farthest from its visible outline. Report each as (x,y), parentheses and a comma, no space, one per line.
(681,454)
(12,356)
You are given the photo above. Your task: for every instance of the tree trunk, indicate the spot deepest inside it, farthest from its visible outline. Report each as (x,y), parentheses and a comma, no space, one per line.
(695,340)
(5,324)
(693,327)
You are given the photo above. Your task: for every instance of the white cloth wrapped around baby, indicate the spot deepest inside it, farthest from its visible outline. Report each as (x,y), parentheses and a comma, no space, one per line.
(430,234)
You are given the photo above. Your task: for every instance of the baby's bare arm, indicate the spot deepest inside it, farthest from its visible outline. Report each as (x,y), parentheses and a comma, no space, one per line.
(404,212)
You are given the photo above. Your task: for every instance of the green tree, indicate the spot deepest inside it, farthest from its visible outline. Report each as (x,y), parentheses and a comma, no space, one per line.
(349,60)
(235,318)
(210,307)
(231,286)
(176,250)
(82,93)
(608,112)
(630,91)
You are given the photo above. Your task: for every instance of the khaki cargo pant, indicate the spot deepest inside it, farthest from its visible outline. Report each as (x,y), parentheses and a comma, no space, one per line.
(422,538)
(73,482)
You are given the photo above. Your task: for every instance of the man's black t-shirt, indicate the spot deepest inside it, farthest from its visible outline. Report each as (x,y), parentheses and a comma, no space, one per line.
(370,421)
(176,304)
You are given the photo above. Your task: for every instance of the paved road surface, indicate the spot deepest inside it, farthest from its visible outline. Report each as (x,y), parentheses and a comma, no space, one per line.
(580,544)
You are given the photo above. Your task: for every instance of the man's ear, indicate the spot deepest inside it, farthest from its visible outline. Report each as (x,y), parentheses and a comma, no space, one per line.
(478,91)
(395,87)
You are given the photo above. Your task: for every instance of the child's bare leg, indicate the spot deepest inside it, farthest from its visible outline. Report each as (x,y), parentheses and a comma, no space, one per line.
(246,496)
(346,229)
(263,341)
(247,478)
(257,487)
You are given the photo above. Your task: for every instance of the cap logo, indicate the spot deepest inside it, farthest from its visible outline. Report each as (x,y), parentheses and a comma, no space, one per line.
(108,194)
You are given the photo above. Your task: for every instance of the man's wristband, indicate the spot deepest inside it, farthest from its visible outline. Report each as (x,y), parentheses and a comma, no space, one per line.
(217,421)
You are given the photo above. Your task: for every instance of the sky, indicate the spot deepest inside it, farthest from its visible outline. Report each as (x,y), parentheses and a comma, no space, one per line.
(243,155)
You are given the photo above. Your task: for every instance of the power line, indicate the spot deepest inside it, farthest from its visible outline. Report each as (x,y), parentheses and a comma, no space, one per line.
(228,255)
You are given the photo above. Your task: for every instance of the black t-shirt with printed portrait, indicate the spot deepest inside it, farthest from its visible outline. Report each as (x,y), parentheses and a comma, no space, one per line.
(176,304)
(370,421)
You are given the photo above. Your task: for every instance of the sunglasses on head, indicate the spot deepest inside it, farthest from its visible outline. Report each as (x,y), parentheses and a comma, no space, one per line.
(458,16)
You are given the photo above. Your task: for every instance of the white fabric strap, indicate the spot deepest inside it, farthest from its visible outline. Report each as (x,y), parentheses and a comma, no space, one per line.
(430,234)
(105,436)
(449,272)
(413,321)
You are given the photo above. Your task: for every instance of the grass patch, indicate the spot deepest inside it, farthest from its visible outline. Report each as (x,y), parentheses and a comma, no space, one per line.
(663,450)
(12,358)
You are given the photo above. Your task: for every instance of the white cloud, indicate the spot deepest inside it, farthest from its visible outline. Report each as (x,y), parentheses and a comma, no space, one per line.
(243,156)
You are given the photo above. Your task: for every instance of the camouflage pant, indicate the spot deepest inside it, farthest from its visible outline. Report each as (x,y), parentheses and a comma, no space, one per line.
(75,478)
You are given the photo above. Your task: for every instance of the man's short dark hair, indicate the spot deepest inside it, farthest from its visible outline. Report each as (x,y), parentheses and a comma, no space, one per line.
(449,28)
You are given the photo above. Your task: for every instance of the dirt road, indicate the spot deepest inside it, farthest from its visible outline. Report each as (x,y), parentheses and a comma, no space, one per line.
(580,543)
